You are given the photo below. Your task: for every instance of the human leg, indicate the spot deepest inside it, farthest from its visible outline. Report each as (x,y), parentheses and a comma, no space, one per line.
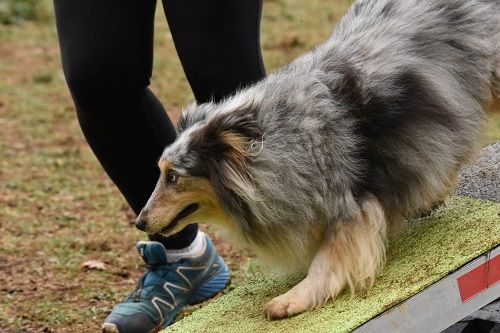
(218,44)
(107,50)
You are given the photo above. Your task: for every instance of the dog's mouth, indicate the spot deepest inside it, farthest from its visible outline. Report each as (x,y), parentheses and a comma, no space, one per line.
(188,210)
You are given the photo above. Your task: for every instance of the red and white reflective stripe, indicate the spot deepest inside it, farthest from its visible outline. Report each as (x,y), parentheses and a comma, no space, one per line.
(479,279)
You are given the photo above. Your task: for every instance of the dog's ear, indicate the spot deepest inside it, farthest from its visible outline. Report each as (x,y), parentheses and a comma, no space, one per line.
(193,114)
(228,135)
(237,130)
(226,144)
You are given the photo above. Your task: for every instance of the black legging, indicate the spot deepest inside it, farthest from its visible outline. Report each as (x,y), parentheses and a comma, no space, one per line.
(107,52)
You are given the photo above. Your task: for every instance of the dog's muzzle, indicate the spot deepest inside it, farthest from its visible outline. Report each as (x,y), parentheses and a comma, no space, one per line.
(141,224)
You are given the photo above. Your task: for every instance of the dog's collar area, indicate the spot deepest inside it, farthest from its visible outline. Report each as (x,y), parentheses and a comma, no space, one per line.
(188,210)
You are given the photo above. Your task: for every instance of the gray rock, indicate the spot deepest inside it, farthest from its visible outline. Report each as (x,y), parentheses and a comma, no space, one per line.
(490,312)
(481,179)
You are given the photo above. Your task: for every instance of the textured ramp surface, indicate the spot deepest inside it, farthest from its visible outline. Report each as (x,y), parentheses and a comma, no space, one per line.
(421,255)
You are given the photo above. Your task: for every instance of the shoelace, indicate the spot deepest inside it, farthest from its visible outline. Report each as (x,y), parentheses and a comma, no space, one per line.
(135,296)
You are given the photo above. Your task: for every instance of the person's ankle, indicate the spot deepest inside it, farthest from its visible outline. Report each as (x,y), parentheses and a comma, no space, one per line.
(195,249)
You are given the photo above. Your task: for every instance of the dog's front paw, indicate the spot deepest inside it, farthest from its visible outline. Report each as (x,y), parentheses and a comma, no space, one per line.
(283,307)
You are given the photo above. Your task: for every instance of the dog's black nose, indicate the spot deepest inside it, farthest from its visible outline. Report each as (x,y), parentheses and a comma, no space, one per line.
(141,224)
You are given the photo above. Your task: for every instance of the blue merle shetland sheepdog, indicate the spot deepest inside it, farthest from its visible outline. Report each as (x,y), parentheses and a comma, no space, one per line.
(316,163)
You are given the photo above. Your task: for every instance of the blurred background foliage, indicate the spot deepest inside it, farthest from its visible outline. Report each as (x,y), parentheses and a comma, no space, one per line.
(16,11)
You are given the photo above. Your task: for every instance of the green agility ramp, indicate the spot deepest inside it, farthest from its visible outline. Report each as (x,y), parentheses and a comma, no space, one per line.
(439,270)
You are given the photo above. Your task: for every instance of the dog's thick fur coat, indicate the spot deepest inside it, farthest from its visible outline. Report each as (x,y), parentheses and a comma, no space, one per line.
(319,161)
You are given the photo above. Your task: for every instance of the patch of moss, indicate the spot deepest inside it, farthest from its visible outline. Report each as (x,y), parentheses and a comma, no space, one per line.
(425,252)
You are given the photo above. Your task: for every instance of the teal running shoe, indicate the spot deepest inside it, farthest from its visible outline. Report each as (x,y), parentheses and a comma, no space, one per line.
(167,287)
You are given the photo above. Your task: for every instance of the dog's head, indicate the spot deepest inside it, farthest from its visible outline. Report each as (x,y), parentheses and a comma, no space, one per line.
(204,173)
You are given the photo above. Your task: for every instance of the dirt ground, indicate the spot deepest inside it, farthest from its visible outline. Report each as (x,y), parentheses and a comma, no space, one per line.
(59,210)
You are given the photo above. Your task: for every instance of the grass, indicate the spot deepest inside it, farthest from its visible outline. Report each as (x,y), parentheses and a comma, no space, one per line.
(57,207)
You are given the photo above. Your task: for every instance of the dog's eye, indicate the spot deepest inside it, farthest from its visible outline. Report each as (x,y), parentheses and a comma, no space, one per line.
(172,177)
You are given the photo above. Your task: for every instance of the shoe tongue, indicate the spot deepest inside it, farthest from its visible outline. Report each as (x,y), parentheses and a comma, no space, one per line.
(153,253)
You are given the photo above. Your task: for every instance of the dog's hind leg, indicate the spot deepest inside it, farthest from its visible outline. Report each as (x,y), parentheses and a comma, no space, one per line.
(351,256)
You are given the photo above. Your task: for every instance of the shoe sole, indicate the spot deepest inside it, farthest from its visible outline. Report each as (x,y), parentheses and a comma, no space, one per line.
(112,328)
(109,328)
